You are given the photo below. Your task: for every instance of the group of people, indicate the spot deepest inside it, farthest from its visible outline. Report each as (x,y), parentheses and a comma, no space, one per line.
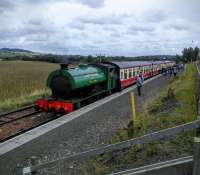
(173,70)
(170,71)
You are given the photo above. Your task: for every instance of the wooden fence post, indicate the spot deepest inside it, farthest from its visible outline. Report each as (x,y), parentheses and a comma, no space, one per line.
(196,168)
(26,171)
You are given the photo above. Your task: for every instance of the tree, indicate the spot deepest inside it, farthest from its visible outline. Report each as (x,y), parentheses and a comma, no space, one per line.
(89,58)
(185,54)
(196,53)
(190,54)
(178,59)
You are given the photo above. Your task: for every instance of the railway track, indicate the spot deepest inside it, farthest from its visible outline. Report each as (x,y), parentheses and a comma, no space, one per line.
(17,110)
(9,117)
(18,121)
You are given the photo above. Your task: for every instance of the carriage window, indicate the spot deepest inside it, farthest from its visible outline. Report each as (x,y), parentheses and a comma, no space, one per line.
(147,69)
(137,70)
(140,70)
(122,74)
(125,74)
(133,72)
(130,73)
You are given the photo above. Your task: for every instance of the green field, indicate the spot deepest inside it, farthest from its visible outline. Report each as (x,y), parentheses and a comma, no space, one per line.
(22,82)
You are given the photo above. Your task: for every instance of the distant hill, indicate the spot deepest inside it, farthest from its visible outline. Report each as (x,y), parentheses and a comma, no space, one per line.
(27,55)
(12,53)
(14,50)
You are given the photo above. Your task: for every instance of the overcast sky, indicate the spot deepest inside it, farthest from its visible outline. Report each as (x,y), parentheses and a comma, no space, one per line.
(111,27)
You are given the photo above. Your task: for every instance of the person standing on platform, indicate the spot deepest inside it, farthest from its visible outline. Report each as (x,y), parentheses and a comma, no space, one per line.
(175,70)
(170,71)
(139,83)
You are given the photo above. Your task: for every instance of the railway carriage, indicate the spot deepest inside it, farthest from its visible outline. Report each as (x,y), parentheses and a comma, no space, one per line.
(73,88)
(128,71)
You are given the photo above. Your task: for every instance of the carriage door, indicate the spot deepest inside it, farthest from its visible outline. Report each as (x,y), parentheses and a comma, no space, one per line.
(112,82)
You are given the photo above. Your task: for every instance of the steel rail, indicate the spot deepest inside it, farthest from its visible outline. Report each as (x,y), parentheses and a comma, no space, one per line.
(28,129)
(18,118)
(3,114)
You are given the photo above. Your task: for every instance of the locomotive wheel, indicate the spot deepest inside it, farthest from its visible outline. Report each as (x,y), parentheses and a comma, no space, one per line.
(37,108)
(62,111)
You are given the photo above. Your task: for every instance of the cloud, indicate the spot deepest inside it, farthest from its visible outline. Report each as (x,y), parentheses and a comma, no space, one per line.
(141,28)
(110,19)
(92,3)
(89,3)
(155,16)
(25,32)
(113,27)
(6,5)
(77,26)
(33,29)
(35,22)
(179,27)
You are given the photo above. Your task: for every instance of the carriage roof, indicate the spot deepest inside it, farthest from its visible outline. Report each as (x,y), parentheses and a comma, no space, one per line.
(130,64)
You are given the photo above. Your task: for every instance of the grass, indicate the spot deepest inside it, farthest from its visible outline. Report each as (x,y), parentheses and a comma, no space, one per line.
(175,106)
(22,82)
(13,54)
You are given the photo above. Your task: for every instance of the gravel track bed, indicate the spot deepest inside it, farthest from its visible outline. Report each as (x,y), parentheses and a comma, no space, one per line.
(17,126)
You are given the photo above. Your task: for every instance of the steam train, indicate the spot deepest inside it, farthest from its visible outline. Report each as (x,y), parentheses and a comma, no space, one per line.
(73,88)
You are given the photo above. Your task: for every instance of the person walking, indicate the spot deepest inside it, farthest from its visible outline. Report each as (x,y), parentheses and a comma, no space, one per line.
(164,71)
(175,70)
(139,83)
(170,71)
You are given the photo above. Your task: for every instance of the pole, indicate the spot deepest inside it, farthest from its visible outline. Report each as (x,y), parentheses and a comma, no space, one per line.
(196,168)
(133,109)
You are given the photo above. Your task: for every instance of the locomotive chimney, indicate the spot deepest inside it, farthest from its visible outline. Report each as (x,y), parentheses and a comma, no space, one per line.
(64,65)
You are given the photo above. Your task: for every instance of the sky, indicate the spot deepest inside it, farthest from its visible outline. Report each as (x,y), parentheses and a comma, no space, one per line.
(106,27)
